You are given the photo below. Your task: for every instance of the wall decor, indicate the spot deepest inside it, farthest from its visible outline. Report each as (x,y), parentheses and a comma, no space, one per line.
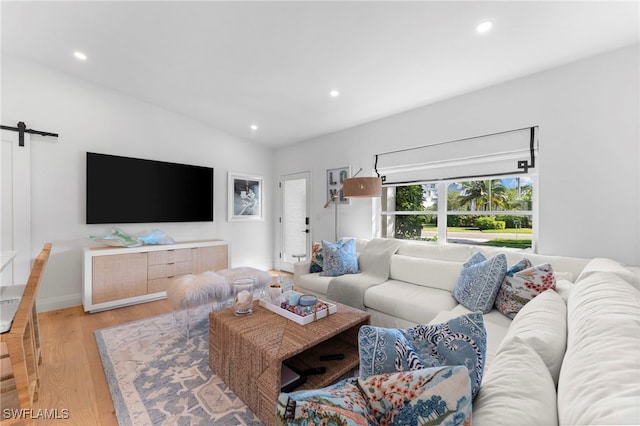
(335,179)
(244,197)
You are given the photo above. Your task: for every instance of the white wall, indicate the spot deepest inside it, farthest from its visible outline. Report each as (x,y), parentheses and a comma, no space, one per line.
(588,113)
(93,118)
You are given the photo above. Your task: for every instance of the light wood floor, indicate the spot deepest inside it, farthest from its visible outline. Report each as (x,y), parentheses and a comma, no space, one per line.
(71,372)
(72,377)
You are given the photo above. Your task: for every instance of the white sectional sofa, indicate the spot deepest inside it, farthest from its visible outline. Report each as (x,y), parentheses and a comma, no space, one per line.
(570,356)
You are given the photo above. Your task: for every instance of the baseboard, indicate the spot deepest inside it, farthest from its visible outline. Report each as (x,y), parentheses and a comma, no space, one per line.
(60,302)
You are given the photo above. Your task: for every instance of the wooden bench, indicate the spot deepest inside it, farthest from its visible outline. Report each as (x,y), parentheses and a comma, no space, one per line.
(20,349)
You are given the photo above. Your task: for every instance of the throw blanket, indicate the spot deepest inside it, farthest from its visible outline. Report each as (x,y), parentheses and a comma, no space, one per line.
(374,264)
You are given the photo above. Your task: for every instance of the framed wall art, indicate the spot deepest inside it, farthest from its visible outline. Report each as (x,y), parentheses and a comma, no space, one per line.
(244,197)
(335,179)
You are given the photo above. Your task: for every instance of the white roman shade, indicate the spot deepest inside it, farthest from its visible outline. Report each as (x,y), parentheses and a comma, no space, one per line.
(499,154)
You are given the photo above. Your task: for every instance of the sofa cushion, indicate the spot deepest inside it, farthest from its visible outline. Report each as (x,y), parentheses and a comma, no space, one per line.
(600,372)
(572,266)
(442,274)
(542,324)
(522,283)
(459,341)
(408,301)
(450,252)
(517,390)
(339,258)
(314,284)
(609,265)
(479,282)
(495,324)
(564,288)
(341,403)
(441,393)
(317,259)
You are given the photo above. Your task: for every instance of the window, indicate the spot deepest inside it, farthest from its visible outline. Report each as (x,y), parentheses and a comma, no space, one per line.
(485,211)
(479,190)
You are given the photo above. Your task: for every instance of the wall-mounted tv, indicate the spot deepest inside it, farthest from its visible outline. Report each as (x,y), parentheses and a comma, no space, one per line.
(133,190)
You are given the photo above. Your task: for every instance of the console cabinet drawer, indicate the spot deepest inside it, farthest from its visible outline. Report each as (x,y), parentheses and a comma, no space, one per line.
(168,271)
(169,256)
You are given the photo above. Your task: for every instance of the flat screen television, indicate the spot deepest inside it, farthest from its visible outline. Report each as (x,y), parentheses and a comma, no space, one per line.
(133,190)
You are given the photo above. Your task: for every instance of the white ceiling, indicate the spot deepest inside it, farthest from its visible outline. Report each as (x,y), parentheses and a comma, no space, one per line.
(231,64)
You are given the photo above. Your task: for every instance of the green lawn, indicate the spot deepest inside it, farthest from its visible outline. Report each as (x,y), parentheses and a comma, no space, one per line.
(503,242)
(487,231)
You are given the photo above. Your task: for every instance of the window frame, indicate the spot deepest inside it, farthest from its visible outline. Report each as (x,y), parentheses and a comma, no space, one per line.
(387,216)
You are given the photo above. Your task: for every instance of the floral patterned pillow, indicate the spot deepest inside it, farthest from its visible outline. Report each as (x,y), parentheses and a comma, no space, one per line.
(438,395)
(317,258)
(523,285)
(339,404)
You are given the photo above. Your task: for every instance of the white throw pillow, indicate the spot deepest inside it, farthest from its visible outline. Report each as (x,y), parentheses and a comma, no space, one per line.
(517,390)
(542,324)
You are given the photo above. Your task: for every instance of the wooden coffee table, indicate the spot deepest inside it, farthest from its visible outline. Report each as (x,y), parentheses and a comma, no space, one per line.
(247,352)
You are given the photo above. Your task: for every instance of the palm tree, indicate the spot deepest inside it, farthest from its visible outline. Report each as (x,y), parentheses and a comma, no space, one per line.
(485,195)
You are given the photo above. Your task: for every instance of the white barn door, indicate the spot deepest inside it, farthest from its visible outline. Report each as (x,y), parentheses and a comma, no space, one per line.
(15,206)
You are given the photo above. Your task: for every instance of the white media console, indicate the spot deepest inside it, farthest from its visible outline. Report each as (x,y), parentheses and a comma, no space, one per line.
(116,276)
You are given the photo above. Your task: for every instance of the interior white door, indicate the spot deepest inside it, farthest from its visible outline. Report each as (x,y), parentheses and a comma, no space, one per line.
(294,219)
(15,206)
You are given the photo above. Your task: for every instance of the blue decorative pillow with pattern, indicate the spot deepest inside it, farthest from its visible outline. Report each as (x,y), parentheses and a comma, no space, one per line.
(479,282)
(339,258)
(459,341)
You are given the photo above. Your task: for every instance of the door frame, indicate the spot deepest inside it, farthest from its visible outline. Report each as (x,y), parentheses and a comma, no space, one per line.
(20,209)
(282,265)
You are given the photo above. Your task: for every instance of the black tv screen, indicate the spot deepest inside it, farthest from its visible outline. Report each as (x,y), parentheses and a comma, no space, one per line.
(133,190)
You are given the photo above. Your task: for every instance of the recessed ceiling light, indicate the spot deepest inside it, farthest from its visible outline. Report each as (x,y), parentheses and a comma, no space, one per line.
(254,127)
(79,55)
(334,93)
(484,27)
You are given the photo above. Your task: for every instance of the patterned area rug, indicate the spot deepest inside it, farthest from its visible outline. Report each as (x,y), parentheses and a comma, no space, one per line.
(157,377)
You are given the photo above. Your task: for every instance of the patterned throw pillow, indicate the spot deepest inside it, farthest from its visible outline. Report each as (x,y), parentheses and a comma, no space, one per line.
(479,282)
(459,341)
(317,259)
(523,284)
(439,395)
(339,258)
(339,404)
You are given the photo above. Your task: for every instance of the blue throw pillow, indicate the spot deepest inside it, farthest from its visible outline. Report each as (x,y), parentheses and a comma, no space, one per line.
(459,341)
(339,258)
(479,282)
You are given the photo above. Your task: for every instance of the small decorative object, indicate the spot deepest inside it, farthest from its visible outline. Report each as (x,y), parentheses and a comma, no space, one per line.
(243,296)
(245,197)
(294,298)
(117,238)
(307,300)
(157,236)
(275,291)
